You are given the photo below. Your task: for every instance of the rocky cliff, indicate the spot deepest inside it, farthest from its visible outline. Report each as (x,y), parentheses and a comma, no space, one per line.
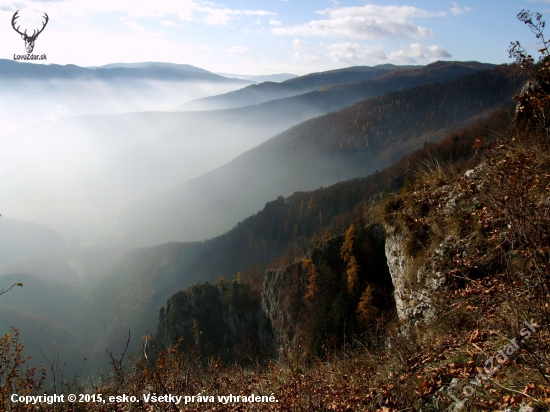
(432,234)
(326,296)
(283,291)
(208,318)
(413,285)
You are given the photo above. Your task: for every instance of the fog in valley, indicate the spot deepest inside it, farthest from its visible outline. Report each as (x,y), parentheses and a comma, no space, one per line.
(81,149)
(82,146)
(77,147)
(220,202)
(126,183)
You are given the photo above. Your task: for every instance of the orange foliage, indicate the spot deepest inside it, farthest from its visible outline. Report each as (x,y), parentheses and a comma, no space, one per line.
(366,311)
(312,277)
(346,253)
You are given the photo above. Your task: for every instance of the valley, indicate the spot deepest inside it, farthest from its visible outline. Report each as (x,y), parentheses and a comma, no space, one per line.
(357,238)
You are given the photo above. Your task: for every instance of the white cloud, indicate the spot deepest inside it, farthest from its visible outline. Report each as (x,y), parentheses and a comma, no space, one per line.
(409,54)
(259,13)
(457,10)
(215,17)
(9,8)
(222,16)
(135,26)
(184,10)
(354,53)
(169,23)
(366,22)
(274,22)
(401,57)
(440,52)
(299,44)
(307,57)
(237,49)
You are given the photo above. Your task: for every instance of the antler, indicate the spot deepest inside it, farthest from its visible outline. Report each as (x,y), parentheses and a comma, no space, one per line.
(34,33)
(43,26)
(15,16)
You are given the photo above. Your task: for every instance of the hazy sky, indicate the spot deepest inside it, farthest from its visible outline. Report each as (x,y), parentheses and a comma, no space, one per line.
(268,36)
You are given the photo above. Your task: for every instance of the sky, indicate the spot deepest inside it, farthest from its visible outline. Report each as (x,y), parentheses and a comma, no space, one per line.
(268,36)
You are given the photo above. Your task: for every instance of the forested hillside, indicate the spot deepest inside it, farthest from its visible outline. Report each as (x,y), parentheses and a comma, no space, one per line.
(340,87)
(123,290)
(330,98)
(266,91)
(288,233)
(392,255)
(349,143)
(465,234)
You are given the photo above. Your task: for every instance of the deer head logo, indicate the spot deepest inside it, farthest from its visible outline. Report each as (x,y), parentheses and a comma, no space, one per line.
(29,40)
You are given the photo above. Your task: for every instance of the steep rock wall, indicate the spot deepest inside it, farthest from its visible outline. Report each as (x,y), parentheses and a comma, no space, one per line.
(413,285)
(282,317)
(417,278)
(205,317)
(283,294)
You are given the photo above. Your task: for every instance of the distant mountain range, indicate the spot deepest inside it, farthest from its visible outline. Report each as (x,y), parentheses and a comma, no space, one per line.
(29,93)
(149,65)
(151,71)
(157,150)
(348,143)
(267,91)
(279,77)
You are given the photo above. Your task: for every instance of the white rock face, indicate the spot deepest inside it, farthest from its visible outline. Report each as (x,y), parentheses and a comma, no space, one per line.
(413,291)
(398,263)
(416,281)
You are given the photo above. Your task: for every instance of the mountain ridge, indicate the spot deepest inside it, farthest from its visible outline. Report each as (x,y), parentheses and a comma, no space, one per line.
(162,72)
(266,91)
(333,147)
(276,77)
(162,149)
(322,81)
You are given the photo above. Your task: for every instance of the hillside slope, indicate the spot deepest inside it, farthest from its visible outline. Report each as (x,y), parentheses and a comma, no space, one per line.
(123,290)
(20,241)
(13,70)
(278,233)
(342,87)
(350,143)
(266,91)
(155,151)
